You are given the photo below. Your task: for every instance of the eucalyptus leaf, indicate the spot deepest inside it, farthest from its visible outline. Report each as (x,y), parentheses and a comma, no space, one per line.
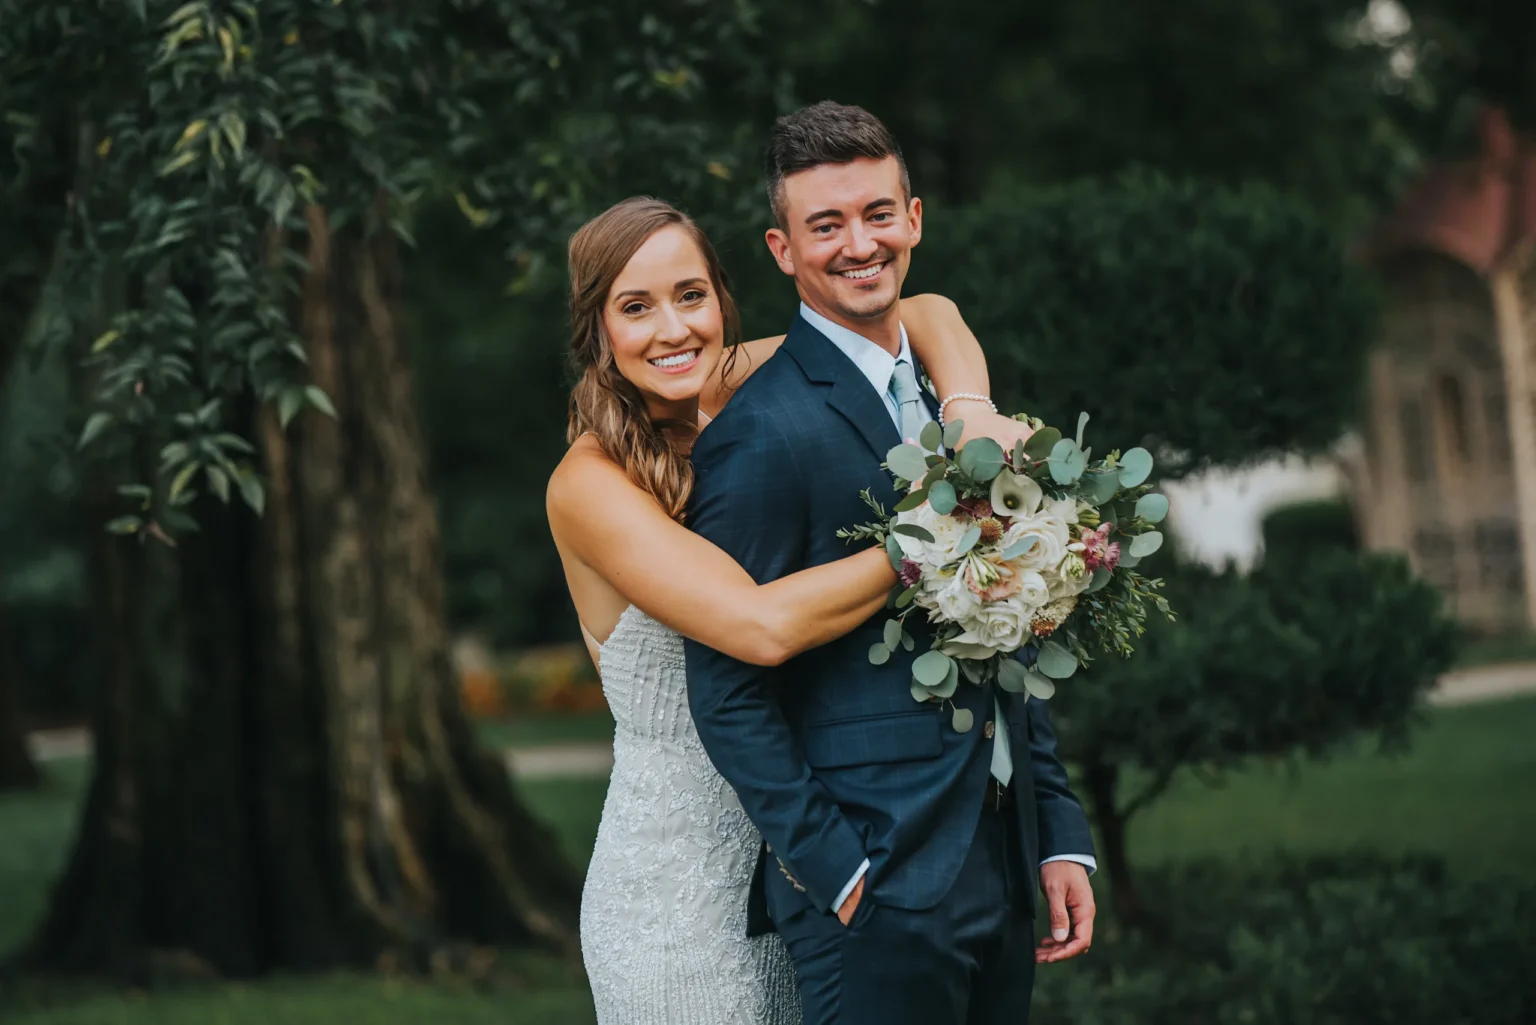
(1100,486)
(950,683)
(1128,561)
(1082,421)
(936,472)
(893,552)
(964,720)
(931,668)
(904,599)
(913,530)
(1040,686)
(1041,442)
(968,540)
(912,501)
(932,436)
(942,497)
(907,640)
(879,654)
(1135,467)
(1067,462)
(1143,545)
(982,459)
(1019,456)
(921,693)
(953,432)
(1020,547)
(1152,507)
(1056,661)
(892,633)
(907,462)
(1011,676)
(1100,578)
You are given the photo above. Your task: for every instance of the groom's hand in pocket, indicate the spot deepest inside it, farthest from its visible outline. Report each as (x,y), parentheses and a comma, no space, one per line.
(1069,898)
(845,913)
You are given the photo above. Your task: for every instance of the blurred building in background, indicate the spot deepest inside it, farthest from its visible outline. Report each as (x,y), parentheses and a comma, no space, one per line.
(1445,465)
(1448,472)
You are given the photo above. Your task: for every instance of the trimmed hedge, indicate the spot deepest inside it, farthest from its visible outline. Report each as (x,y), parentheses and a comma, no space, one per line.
(1341,941)
(1223,323)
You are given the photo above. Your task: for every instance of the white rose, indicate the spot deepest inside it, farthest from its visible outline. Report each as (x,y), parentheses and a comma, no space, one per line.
(1049,536)
(1033,591)
(946,531)
(955,601)
(1004,625)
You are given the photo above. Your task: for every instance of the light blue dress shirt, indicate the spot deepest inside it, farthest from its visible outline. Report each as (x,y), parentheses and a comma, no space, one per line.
(877,366)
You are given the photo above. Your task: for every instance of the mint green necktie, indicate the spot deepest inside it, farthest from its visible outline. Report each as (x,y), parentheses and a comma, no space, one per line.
(910,414)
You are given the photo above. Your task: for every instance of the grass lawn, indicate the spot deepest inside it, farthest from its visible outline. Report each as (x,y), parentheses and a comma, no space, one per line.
(535,730)
(1466,791)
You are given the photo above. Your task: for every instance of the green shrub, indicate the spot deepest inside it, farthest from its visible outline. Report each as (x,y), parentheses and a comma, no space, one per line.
(1223,323)
(1301,528)
(1340,941)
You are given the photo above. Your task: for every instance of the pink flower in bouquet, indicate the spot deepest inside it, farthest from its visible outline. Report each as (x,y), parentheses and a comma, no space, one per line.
(1099,550)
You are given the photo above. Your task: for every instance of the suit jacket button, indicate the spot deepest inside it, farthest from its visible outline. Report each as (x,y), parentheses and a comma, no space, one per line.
(989,730)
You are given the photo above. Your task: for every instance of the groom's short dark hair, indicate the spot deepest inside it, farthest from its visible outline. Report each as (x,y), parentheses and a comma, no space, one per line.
(826,133)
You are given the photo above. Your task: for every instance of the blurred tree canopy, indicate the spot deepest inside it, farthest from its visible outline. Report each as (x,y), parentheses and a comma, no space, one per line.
(284,776)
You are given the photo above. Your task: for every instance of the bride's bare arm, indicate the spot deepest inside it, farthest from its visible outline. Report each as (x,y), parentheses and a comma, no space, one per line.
(947,348)
(953,358)
(692,586)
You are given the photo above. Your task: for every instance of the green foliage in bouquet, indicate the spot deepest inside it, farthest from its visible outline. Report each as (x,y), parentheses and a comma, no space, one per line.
(980,497)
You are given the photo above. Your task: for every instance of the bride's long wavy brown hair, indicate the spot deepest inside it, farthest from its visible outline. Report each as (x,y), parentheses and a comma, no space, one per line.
(604,403)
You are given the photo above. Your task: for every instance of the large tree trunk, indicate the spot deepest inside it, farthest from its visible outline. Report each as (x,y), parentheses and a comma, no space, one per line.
(1101,786)
(16,766)
(285,777)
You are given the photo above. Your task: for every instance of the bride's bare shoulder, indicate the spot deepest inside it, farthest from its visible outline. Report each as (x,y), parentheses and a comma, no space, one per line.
(584,472)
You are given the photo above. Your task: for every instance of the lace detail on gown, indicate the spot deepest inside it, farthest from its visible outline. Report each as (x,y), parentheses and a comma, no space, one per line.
(664,910)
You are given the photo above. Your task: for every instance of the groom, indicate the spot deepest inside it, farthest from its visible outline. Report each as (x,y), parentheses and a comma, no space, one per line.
(902,858)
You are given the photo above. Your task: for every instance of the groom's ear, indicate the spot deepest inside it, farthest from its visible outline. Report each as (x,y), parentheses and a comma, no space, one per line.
(915,219)
(778,245)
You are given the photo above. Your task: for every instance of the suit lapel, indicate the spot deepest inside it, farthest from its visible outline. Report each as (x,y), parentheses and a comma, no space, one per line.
(849,390)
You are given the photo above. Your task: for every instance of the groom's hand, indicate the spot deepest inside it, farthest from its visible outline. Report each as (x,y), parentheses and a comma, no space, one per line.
(845,913)
(1070,899)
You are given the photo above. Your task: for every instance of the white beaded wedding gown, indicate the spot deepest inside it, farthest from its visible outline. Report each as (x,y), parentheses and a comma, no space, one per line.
(664,910)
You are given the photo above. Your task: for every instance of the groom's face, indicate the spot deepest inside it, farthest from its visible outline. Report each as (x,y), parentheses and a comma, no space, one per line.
(848,239)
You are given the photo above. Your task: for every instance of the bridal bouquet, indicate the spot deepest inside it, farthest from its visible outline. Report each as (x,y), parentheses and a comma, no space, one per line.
(1033,551)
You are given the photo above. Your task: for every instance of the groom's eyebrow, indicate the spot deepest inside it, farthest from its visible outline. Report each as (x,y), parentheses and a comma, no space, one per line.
(869,207)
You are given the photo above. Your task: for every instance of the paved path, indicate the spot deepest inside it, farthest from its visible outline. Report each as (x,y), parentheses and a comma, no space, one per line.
(589,759)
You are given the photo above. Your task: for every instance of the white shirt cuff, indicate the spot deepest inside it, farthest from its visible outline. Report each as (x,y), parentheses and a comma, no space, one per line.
(837,905)
(1088,861)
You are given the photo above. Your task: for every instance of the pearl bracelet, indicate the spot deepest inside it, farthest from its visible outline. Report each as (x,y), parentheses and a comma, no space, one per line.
(964,395)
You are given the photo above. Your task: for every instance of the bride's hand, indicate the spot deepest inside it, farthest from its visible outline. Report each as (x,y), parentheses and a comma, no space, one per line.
(981,422)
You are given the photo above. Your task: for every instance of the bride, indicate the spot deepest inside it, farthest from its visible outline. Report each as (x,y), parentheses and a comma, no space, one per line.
(663,915)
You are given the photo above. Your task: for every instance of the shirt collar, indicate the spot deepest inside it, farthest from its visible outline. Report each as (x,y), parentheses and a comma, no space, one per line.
(873,362)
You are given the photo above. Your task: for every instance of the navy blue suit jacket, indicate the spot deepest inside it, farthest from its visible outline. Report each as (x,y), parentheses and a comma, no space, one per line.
(830,755)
